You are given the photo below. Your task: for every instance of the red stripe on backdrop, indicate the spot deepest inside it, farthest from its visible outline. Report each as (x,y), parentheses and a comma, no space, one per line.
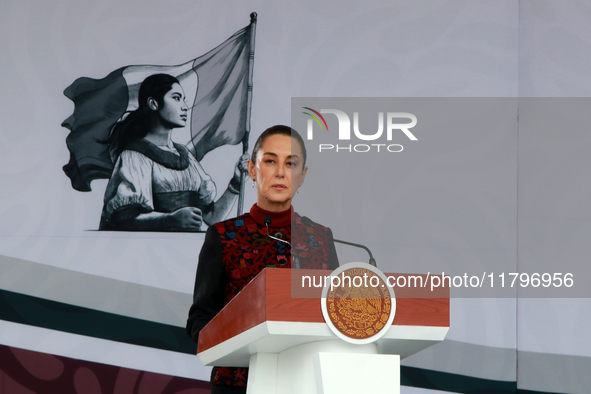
(25,371)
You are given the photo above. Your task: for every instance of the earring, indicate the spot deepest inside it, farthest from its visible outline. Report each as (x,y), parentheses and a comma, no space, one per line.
(253,182)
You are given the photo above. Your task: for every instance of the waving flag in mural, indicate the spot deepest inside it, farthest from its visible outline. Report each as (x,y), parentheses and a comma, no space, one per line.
(216,90)
(217,87)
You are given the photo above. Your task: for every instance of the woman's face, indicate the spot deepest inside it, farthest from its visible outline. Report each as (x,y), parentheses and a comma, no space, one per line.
(174,109)
(278,172)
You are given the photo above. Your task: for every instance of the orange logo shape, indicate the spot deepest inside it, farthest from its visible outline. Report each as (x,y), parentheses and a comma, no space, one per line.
(357,304)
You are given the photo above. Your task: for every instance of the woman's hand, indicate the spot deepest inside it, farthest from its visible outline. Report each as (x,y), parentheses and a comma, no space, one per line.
(221,208)
(187,219)
(241,167)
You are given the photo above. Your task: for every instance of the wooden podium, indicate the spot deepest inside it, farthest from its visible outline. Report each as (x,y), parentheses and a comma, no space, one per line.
(290,349)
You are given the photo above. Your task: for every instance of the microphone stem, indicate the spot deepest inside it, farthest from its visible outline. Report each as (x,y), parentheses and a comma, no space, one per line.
(307,222)
(372,261)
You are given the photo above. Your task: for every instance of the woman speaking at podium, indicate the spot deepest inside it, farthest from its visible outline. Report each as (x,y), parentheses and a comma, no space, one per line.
(236,250)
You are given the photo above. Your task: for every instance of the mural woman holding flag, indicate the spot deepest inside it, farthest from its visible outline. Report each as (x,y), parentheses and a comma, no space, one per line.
(158,185)
(121,130)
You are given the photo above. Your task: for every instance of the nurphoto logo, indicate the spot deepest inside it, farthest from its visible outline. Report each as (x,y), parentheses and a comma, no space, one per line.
(396,123)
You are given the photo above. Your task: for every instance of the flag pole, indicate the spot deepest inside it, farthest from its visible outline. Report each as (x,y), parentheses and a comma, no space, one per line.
(253,25)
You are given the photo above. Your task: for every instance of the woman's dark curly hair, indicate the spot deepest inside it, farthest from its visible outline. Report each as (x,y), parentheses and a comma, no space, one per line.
(137,123)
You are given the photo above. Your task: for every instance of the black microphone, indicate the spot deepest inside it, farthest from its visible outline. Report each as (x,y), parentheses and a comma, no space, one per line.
(307,222)
(296,262)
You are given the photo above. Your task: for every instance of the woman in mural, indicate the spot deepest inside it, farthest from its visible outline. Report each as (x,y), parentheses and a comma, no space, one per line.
(158,185)
(236,250)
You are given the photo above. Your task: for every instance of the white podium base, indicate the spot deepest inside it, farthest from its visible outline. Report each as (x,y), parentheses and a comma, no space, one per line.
(324,367)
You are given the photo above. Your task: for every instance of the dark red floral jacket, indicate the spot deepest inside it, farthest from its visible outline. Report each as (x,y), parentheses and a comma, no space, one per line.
(235,251)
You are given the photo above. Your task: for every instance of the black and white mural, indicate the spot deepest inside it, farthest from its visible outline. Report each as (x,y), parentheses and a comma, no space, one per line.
(121,129)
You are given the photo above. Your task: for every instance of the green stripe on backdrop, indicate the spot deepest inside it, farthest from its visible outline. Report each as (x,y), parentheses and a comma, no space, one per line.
(39,312)
(444,381)
(521,391)
(435,380)
(453,383)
